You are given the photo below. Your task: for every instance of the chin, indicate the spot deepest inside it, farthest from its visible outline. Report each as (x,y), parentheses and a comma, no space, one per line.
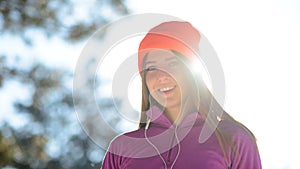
(168,103)
(172,105)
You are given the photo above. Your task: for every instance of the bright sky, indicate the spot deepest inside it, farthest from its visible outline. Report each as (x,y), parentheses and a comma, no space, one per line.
(258,45)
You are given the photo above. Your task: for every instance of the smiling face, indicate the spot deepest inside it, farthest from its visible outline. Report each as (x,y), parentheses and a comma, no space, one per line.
(166,78)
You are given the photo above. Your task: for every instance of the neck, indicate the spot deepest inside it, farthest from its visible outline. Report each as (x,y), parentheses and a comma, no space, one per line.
(177,113)
(173,113)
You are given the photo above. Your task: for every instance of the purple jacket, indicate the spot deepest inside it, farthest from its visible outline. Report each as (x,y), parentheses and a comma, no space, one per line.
(163,145)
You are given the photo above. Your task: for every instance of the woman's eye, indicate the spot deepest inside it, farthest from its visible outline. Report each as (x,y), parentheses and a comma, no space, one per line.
(174,64)
(150,68)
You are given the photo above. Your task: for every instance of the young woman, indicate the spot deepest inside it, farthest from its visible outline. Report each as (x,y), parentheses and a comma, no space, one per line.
(176,104)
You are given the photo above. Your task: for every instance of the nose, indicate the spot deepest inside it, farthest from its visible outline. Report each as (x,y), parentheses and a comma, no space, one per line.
(162,76)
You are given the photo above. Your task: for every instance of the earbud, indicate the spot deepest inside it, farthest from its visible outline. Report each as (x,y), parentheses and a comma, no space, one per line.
(148,123)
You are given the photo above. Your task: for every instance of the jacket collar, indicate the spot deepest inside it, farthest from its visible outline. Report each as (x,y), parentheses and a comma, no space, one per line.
(159,118)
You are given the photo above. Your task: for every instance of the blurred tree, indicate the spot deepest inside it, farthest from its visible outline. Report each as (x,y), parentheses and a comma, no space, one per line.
(58,17)
(51,136)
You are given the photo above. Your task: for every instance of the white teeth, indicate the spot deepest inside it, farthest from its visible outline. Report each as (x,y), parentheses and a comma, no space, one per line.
(166,89)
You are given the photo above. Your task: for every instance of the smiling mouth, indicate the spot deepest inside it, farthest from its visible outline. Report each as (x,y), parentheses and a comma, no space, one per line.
(166,89)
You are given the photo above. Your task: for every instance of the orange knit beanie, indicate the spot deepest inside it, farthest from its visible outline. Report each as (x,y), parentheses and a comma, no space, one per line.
(173,35)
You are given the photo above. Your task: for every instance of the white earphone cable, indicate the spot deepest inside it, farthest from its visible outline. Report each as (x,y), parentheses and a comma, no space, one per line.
(165,164)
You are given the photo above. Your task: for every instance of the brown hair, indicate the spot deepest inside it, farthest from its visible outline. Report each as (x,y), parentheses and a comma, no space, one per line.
(208,103)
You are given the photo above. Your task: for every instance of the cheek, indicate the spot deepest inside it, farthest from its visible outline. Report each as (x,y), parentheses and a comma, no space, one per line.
(184,83)
(149,84)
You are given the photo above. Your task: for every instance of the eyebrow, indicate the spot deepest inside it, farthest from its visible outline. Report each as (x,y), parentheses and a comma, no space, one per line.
(171,58)
(149,62)
(167,59)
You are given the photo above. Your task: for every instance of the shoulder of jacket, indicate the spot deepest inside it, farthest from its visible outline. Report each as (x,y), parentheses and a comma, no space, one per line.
(236,130)
(121,138)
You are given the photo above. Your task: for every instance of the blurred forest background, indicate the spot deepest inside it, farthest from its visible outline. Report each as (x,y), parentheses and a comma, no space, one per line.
(50,135)
(41,40)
